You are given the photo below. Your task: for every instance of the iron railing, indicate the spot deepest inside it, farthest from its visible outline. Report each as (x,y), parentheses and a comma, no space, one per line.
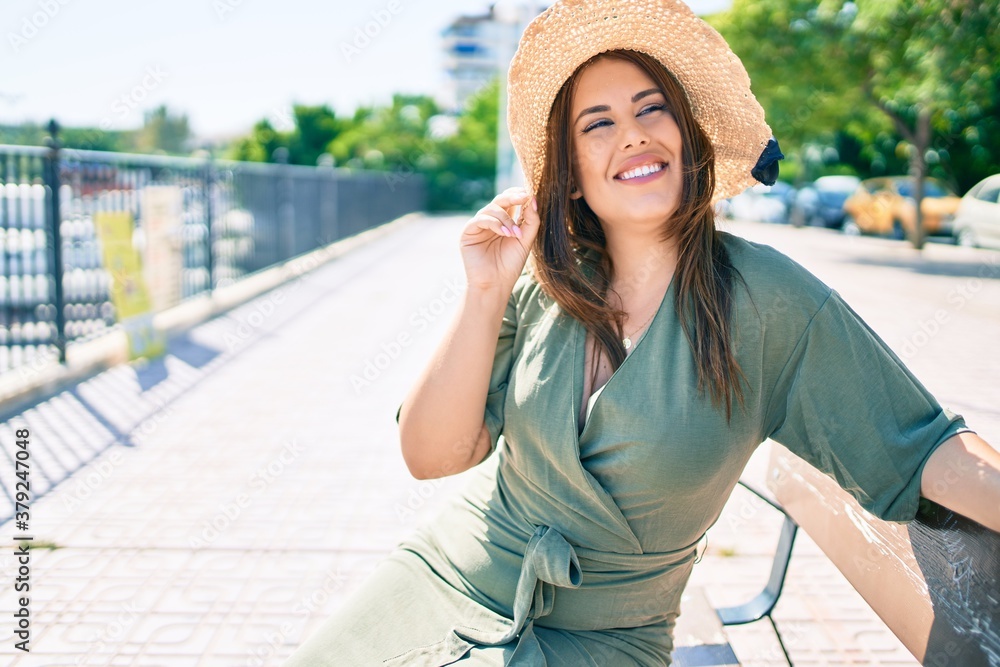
(237,218)
(232,219)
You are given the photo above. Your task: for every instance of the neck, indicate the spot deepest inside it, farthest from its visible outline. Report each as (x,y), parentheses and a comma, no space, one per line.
(641,263)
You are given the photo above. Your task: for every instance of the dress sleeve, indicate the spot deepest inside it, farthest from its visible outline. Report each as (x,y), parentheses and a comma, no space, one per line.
(502,361)
(848,405)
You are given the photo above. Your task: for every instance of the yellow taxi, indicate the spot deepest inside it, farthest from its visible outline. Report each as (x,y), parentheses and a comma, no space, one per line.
(885,206)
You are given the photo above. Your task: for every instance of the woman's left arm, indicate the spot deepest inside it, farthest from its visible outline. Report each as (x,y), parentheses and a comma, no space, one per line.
(963,474)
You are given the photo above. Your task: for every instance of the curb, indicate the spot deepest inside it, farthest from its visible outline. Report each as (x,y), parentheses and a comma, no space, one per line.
(28,384)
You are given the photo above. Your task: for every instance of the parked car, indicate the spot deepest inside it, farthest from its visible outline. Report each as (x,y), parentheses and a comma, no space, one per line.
(760,203)
(821,203)
(977,223)
(886,206)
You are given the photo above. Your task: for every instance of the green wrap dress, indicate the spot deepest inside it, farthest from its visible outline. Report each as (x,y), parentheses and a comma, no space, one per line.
(573,548)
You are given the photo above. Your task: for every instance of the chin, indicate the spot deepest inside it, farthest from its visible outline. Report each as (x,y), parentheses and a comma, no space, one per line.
(644,214)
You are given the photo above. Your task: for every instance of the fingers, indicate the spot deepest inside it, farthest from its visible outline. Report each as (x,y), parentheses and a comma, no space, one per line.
(528,216)
(487,218)
(529,209)
(512,197)
(498,214)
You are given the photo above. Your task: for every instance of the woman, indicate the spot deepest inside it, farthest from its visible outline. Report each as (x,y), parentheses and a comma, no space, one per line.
(631,368)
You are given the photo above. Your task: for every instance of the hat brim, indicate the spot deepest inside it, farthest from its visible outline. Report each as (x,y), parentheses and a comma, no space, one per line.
(717,85)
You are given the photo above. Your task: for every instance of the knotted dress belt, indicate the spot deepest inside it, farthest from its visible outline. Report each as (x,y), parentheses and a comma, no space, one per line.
(549,561)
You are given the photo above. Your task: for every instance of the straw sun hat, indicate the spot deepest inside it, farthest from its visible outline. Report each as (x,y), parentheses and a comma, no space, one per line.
(569,32)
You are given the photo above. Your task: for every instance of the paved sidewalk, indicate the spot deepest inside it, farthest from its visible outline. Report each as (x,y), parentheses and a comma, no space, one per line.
(265,482)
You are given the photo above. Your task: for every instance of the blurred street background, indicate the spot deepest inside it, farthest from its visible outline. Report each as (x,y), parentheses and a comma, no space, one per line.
(228,246)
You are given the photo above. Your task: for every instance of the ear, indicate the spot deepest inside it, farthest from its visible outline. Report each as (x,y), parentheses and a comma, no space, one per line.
(574,193)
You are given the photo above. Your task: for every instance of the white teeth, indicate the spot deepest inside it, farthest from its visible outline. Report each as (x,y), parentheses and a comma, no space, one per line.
(641,171)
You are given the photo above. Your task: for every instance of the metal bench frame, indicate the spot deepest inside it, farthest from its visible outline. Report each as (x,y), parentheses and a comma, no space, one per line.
(762,604)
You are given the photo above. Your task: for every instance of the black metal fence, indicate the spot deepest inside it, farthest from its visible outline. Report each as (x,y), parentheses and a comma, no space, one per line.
(236,218)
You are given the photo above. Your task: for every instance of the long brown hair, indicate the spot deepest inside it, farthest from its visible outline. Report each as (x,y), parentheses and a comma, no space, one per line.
(578,280)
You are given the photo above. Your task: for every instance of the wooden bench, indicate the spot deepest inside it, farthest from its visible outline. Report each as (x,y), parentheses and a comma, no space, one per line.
(935,582)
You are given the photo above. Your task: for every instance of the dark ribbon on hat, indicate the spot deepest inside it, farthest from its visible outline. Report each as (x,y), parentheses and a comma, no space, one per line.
(766,170)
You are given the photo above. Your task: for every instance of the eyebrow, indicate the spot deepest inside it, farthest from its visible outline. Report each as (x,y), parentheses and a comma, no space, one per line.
(604,107)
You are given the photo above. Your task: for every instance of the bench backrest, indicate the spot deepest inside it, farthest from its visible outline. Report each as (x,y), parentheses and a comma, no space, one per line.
(935,582)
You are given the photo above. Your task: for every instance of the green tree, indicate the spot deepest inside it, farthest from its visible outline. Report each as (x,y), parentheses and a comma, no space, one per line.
(96,139)
(315,128)
(163,132)
(260,144)
(401,138)
(930,62)
(460,168)
(466,175)
(81,138)
(24,134)
(923,70)
(392,137)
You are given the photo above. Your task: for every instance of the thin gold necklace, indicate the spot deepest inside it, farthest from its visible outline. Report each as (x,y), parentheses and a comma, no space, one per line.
(627,340)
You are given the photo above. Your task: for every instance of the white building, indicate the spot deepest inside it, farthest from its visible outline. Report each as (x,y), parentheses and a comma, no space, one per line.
(471,57)
(478,48)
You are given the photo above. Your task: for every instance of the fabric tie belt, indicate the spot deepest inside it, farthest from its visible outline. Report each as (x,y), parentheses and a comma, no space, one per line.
(550,561)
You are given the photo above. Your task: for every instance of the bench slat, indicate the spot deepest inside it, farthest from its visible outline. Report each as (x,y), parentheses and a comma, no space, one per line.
(934,582)
(699,638)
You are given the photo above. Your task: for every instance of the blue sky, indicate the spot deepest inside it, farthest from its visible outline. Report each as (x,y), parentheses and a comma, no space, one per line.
(226,63)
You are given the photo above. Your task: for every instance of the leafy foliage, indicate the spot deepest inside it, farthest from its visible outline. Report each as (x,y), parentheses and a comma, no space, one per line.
(314,128)
(163,132)
(411,135)
(464,175)
(856,76)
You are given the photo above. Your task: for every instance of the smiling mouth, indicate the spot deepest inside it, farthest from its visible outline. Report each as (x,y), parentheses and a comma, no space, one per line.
(639,172)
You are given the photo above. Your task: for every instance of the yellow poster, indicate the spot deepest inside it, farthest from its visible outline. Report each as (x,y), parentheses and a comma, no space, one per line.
(128,289)
(162,218)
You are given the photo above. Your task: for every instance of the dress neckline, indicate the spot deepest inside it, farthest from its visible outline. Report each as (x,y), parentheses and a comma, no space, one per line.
(579,363)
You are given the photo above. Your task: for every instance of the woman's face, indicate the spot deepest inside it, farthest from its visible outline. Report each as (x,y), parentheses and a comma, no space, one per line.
(631,127)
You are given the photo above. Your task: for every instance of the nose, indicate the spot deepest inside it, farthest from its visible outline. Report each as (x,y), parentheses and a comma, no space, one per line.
(634,134)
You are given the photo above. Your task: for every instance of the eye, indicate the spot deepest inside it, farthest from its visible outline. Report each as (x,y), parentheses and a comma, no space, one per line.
(601,123)
(654,107)
(594,125)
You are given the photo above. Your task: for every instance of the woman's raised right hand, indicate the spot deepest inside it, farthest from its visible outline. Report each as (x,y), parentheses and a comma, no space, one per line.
(494,259)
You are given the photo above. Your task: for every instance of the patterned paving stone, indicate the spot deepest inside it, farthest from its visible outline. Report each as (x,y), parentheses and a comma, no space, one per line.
(224,501)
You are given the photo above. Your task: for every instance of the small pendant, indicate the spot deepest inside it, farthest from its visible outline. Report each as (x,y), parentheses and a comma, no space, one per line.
(627,342)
